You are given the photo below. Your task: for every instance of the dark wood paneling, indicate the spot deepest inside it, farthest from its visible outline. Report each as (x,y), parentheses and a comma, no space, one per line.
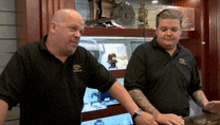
(29,26)
(35,17)
(48,8)
(129,32)
(212,49)
(110,111)
(118,73)
(33,20)
(44,17)
(218,48)
(56,5)
(67,4)
(113,32)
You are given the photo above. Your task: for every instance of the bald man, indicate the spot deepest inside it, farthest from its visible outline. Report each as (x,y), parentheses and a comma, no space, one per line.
(48,78)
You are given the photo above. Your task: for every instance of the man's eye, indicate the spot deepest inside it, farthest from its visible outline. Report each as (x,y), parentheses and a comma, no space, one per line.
(163,29)
(174,29)
(73,28)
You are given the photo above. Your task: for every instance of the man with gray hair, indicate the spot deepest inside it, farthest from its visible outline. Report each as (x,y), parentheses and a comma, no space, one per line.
(162,75)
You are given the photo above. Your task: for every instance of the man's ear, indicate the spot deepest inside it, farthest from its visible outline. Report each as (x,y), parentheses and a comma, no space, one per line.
(53,25)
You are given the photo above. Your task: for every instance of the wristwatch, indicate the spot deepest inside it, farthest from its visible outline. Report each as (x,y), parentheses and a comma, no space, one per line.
(137,113)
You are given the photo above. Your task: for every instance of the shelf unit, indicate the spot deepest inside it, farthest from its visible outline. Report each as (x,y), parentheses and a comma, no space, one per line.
(90,31)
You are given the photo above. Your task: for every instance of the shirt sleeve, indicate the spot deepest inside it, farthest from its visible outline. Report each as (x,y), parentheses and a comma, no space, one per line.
(100,78)
(195,82)
(11,81)
(135,74)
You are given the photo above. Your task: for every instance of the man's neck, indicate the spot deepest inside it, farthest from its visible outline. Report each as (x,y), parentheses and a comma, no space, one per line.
(59,55)
(171,51)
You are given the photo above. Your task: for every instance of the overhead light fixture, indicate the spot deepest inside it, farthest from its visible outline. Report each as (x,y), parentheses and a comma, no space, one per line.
(154,1)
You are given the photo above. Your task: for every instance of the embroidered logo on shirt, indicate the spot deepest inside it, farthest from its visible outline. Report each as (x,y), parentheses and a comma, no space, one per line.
(182,61)
(77,68)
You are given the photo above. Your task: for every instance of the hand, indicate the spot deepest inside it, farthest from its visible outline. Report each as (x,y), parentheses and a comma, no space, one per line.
(213,106)
(169,119)
(145,119)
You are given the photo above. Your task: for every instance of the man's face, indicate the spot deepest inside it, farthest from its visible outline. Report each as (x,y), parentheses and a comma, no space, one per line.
(168,33)
(68,34)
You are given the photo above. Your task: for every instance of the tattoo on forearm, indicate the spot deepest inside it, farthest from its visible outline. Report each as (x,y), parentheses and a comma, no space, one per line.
(200,98)
(143,102)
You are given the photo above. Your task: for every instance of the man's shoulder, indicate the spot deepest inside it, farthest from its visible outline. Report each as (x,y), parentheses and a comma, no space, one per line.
(147,46)
(187,54)
(29,47)
(82,52)
(185,50)
(144,47)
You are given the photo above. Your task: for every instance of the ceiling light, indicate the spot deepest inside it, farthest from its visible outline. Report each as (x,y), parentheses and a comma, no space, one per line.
(154,1)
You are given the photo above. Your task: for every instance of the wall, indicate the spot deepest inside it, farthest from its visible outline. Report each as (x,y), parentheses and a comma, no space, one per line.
(8,45)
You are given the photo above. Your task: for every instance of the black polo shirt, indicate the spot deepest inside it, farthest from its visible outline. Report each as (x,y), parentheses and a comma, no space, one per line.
(167,81)
(50,92)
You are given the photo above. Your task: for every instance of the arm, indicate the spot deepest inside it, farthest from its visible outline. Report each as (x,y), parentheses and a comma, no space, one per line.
(3,111)
(211,106)
(121,94)
(143,102)
(145,105)
(200,98)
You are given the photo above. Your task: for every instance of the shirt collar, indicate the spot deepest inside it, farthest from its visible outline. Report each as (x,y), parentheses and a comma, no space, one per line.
(42,43)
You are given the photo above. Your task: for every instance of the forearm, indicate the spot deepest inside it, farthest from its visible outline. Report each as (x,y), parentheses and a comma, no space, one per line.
(143,102)
(121,94)
(200,98)
(3,111)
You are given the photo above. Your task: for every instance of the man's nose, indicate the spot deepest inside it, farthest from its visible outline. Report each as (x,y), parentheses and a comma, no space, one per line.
(77,34)
(169,32)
